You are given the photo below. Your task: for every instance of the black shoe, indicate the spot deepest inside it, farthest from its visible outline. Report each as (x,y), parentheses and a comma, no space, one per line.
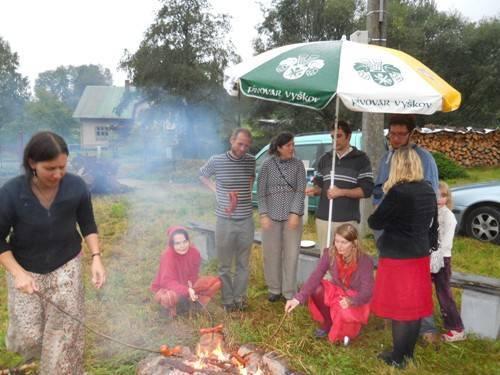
(273,297)
(389,360)
(320,333)
(241,305)
(229,308)
(183,306)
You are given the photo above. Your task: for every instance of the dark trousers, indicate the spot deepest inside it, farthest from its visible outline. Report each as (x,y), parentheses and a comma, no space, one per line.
(404,338)
(449,311)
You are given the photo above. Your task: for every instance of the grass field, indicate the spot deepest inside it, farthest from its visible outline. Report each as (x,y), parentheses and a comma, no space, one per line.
(132,233)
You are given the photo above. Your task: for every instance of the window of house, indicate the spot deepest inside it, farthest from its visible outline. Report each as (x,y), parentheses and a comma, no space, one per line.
(101,132)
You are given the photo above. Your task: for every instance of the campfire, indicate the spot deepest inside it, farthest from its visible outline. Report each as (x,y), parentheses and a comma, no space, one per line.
(211,357)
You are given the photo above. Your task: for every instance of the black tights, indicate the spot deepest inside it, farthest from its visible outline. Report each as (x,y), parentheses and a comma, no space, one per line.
(404,338)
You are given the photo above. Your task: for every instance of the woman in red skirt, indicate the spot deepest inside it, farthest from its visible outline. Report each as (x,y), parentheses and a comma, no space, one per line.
(178,281)
(408,218)
(341,305)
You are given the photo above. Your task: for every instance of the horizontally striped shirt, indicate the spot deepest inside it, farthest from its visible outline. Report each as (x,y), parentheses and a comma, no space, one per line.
(351,171)
(231,174)
(282,185)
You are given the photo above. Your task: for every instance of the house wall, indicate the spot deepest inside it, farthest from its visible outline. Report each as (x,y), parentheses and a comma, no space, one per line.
(88,132)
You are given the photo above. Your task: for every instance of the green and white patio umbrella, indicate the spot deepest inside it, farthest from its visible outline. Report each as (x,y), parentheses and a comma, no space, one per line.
(367,78)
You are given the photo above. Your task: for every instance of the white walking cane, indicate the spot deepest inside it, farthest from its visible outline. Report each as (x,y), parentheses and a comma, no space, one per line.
(332,173)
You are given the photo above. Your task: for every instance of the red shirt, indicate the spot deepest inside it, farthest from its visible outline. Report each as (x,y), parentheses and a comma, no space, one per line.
(176,270)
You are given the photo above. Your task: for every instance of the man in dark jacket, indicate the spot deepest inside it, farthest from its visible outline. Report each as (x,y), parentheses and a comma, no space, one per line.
(353,181)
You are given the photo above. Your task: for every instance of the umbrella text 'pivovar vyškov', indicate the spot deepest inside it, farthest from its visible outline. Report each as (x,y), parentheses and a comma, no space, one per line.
(365,77)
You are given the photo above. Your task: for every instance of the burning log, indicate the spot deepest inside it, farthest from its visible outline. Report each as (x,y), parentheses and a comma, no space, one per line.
(209,343)
(178,364)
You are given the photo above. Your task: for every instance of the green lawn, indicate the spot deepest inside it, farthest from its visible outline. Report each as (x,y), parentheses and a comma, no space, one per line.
(132,231)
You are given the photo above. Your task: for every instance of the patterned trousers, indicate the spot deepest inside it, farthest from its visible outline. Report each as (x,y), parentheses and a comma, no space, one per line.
(38,330)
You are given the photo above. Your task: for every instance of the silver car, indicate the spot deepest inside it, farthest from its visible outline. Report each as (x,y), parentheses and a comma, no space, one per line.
(477,209)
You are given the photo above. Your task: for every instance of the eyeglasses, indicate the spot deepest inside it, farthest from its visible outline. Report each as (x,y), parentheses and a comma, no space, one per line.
(398,135)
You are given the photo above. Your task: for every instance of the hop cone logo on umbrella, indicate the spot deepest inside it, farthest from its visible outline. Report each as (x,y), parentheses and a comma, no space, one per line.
(295,67)
(382,74)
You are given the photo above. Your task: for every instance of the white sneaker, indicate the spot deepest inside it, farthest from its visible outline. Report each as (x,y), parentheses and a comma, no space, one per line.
(452,336)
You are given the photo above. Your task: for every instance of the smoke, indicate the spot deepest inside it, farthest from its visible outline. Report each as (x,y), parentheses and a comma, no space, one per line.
(164,190)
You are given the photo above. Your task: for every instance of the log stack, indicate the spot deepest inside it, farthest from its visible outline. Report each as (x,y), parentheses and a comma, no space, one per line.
(468,148)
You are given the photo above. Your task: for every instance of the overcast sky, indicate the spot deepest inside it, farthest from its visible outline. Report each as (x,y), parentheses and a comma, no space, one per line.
(50,33)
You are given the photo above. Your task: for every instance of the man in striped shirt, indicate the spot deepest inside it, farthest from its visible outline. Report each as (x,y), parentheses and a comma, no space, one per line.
(353,181)
(234,172)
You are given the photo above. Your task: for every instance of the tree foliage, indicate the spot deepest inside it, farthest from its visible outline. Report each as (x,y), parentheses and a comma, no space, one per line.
(67,83)
(296,21)
(465,54)
(13,86)
(180,62)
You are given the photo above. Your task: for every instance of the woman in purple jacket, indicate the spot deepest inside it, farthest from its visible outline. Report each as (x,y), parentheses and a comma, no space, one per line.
(340,305)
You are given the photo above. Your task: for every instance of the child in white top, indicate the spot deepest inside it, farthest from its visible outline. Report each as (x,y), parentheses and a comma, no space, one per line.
(441,276)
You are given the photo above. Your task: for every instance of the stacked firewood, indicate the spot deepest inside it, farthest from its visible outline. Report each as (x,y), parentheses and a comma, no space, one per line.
(468,148)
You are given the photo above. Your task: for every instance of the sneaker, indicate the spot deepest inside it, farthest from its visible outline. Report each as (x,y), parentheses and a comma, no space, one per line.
(319,333)
(452,335)
(273,297)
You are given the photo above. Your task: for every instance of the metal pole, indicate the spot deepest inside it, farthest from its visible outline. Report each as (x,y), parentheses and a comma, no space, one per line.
(332,173)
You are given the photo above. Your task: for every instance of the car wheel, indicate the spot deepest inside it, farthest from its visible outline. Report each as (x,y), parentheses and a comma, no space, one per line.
(483,223)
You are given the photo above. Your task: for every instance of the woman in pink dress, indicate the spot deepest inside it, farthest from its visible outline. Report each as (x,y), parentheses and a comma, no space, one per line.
(341,305)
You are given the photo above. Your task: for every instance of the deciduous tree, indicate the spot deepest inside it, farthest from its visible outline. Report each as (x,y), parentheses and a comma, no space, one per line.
(67,83)
(13,86)
(180,62)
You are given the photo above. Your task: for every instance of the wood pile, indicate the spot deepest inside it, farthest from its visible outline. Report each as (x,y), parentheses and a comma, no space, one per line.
(469,148)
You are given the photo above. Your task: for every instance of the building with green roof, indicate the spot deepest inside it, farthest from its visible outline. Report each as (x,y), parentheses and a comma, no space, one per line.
(104,111)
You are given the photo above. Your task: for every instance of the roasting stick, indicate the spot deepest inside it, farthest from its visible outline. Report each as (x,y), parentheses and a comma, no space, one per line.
(212,322)
(279,326)
(45,298)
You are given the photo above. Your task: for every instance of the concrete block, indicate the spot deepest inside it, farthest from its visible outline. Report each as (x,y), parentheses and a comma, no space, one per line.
(307,264)
(481,313)
(205,242)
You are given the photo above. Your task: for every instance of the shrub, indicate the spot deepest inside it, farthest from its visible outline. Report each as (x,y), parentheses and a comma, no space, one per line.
(448,168)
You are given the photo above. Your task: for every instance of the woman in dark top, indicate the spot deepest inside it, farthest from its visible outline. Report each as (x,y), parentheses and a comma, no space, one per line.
(341,305)
(408,218)
(282,185)
(40,248)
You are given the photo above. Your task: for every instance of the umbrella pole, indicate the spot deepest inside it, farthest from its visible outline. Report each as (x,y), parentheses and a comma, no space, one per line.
(332,173)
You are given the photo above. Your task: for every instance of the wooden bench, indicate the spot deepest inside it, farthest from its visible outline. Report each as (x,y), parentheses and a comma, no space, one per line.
(480,308)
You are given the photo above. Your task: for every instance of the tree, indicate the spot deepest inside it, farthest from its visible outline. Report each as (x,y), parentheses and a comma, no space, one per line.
(180,62)
(465,54)
(13,86)
(49,113)
(66,83)
(295,21)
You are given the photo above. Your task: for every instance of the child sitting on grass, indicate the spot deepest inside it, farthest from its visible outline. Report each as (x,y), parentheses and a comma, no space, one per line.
(177,280)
